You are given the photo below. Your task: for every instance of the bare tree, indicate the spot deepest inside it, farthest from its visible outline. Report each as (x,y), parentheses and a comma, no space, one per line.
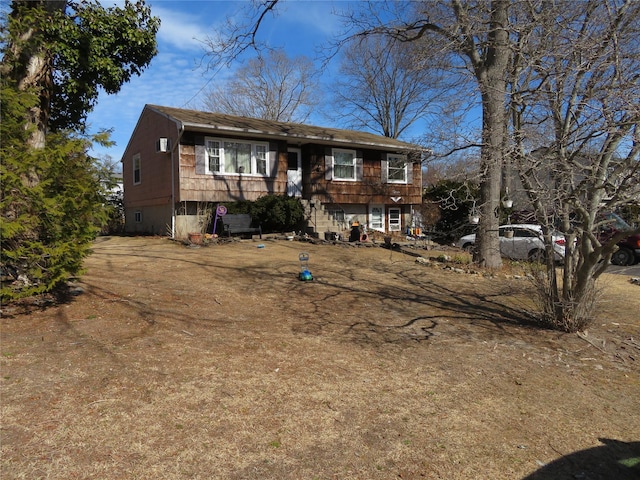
(564,77)
(575,113)
(381,86)
(475,39)
(274,87)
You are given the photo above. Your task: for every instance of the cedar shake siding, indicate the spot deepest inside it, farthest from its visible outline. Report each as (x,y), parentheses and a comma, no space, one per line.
(180,162)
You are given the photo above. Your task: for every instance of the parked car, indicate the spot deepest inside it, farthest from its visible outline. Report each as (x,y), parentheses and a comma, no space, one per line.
(628,252)
(521,242)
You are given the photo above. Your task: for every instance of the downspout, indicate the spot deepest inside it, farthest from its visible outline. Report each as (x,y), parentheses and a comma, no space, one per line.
(173,182)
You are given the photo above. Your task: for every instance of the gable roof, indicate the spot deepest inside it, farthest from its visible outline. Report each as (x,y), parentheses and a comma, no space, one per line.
(207,122)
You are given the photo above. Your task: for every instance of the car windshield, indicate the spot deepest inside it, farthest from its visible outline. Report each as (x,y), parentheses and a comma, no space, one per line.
(616,222)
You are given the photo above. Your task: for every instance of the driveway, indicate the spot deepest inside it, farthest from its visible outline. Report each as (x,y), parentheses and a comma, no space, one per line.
(632,270)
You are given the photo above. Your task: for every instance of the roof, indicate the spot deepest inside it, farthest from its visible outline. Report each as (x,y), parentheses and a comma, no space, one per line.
(194,120)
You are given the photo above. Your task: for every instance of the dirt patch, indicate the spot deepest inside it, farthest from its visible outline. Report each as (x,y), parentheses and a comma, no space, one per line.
(218,362)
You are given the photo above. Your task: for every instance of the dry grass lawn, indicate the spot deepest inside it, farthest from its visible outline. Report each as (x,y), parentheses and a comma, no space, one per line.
(218,363)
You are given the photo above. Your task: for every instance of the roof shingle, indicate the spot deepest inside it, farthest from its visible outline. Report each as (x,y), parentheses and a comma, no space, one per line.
(208,121)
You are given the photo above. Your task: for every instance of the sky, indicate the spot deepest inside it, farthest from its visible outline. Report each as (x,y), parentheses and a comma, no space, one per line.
(176,76)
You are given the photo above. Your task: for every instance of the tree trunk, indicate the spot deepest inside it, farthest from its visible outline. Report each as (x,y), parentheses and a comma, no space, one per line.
(29,64)
(490,71)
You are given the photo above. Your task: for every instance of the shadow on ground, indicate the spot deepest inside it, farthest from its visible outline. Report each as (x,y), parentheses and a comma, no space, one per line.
(614,460)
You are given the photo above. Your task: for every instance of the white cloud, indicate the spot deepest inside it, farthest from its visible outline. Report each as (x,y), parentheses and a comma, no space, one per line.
(180,29)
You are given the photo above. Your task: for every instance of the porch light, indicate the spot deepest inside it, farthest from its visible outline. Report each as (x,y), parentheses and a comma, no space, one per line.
(506,201)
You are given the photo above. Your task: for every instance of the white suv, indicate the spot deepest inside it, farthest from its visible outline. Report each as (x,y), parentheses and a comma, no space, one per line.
(521,242)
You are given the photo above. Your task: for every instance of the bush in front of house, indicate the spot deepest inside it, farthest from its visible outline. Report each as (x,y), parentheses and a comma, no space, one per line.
(274,213)
(278,213)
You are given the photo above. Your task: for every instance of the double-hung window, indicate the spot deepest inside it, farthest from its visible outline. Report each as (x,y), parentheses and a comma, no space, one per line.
(396,168)
(344,164)
(213,155)
(236,157)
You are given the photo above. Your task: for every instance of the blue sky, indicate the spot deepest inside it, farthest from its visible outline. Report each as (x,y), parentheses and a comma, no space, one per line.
(176,77)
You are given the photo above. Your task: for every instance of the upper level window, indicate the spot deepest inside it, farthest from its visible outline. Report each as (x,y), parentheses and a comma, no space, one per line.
(396,169)
(136,169)
(344,164)
(236,156)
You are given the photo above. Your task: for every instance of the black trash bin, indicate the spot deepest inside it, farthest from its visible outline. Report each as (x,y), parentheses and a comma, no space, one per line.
(354,235)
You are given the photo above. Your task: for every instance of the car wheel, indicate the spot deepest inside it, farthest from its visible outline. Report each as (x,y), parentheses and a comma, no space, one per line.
(537,255)
(468,247)
(623,257)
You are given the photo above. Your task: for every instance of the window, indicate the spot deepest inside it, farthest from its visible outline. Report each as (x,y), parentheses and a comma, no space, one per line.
(236,156)
(136,169)
(344,164)
(137,216)
(261,158)
(213,155)
(396,169)
(337,214)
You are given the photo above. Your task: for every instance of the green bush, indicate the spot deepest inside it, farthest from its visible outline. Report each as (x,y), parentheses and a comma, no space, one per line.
(278,213)
(51,204)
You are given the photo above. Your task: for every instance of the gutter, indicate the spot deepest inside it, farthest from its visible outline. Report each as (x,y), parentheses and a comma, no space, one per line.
(174,147)
(321,139)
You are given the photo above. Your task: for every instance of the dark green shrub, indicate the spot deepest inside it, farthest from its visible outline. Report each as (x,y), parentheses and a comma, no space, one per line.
(278,213)
(51,204)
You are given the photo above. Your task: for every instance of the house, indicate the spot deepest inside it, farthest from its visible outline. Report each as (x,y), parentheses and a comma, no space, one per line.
(178,163)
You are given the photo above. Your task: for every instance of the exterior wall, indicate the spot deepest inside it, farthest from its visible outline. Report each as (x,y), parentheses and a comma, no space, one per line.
(354,198)
(371,190)
(152,196)
(200,187)
(156,220)
(186,224)
(184,165)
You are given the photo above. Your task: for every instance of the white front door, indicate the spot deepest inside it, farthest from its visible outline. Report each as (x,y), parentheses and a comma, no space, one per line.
(376,217)
(294,172)
(395,220)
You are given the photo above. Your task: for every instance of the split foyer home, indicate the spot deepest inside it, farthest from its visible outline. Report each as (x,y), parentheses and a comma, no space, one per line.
(179,163)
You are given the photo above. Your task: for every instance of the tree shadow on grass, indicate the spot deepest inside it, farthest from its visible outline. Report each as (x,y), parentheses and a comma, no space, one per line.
(614,460)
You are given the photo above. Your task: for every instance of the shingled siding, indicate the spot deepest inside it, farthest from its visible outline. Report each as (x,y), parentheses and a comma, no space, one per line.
(372,189)
(228,188)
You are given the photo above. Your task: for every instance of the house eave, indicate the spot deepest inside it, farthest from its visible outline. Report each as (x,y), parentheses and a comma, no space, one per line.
(295,138)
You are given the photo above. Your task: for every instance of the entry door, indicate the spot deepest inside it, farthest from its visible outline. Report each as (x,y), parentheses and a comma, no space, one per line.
(376,217)
(294,172)
(395,220)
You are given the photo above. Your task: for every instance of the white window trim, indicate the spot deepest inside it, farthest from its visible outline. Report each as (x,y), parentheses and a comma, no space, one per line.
(404,158)
(136,158)
(333,165)
(254,158)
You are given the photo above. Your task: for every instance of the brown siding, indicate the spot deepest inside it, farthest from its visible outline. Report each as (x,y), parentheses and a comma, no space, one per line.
(227,188)
(155,171)
(369,190)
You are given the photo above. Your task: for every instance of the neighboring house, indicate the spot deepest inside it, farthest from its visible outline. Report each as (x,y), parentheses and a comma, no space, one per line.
(178,163)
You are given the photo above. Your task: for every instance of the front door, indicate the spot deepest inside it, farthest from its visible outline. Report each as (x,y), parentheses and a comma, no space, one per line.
(395,220)
(376,217)
(294,173)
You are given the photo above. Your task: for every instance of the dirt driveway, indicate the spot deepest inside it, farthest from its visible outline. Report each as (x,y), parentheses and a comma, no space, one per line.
(176,362)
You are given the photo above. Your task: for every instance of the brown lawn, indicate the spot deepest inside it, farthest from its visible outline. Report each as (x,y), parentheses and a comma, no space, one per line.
(178,362)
